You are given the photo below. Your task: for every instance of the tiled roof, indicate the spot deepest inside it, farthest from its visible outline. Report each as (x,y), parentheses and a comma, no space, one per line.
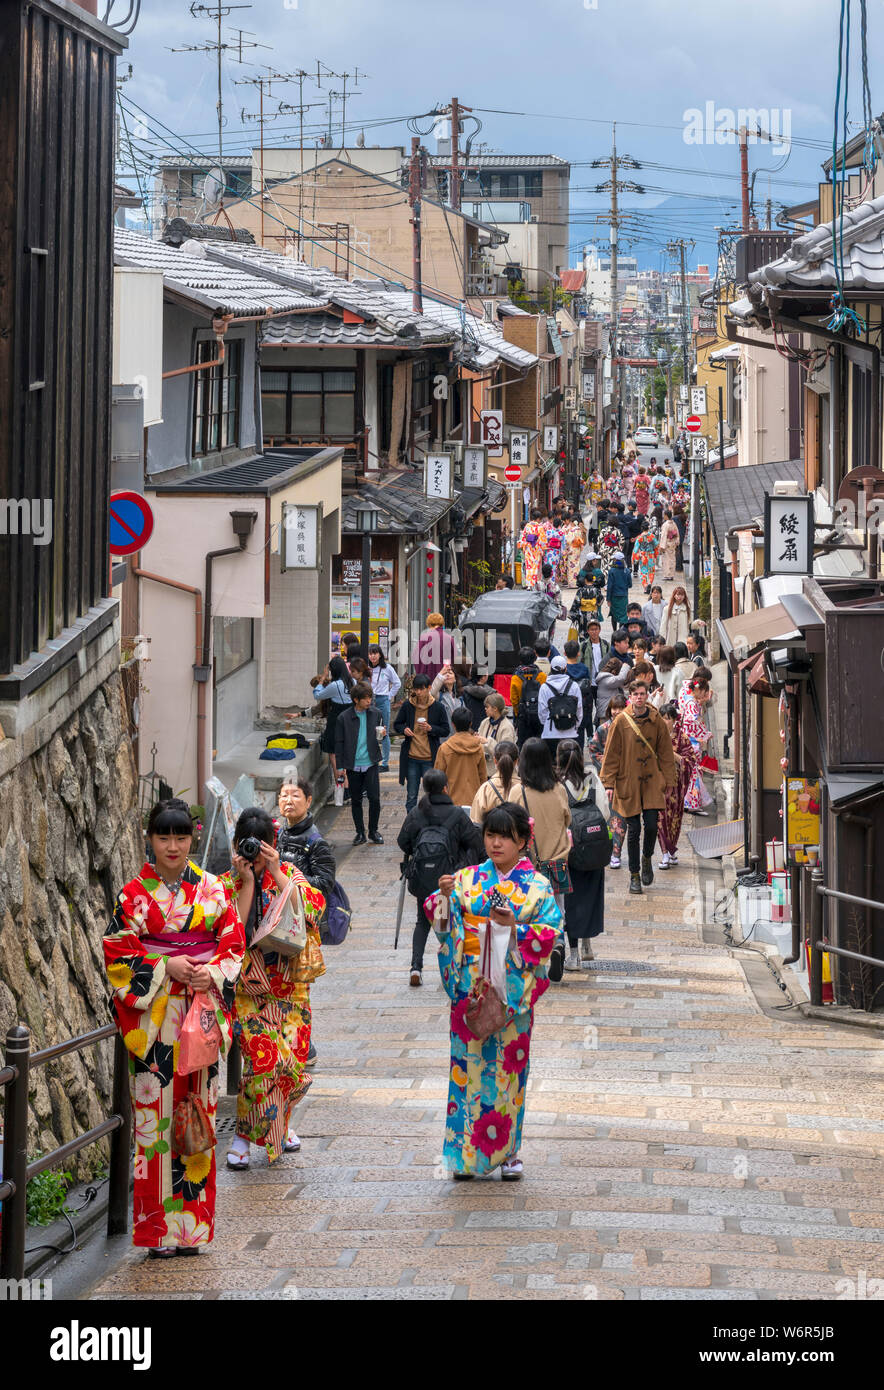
(263,474)
(736,495)
(808,263)
(222,289)
(573,280)
(329,330)
(389,304)
(405,510)
(504,161)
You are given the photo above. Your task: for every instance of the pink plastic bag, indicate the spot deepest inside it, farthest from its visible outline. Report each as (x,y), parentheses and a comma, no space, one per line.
(200,1040)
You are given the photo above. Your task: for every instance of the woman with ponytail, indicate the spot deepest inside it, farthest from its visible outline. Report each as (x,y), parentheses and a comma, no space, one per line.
(503,785)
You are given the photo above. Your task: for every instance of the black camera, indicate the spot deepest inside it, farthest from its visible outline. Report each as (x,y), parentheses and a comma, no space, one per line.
(250,848)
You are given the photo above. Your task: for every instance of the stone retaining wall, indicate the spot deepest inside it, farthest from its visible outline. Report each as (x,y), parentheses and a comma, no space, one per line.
(69,839)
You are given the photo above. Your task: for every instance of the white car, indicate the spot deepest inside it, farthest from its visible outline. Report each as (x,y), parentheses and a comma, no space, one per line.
(646,438)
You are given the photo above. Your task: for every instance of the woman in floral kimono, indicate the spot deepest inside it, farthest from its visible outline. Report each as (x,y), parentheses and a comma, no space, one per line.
(670,819)
(669,543)
(694,695)
(173,932)
(532,543)
(272,1007)
(642,493)
(645,552)
(575,540)
(610,541)
(486,1094)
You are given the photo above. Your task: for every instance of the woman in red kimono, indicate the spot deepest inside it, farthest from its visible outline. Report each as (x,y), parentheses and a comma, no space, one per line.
(173,932)
(670,819)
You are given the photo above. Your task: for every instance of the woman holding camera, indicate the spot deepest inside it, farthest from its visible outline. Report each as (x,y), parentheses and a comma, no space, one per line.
(272,1005)
(508,898)
(173,931)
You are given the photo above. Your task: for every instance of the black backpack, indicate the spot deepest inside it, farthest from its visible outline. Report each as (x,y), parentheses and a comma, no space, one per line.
(529,720)
(563,710)
(592,841)
(434,854)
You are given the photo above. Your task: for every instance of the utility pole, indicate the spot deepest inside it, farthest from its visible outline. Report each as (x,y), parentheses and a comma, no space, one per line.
(455,110)
(678,247)
(615,185)
(744,174)
(234,47)
(414,200)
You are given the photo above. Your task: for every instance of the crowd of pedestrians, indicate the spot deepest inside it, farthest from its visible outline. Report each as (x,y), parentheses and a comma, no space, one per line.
(515,808)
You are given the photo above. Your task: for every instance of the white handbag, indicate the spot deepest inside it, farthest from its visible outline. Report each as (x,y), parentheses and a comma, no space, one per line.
(284,927)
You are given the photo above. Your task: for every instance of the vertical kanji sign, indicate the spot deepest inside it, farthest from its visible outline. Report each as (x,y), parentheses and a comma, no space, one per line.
(438,476)
(300,547)
(788,534)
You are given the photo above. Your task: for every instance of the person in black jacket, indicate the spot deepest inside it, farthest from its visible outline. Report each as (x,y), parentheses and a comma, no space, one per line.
(358,752)
(423,724)
(473,694)
(436,808)
(298,840)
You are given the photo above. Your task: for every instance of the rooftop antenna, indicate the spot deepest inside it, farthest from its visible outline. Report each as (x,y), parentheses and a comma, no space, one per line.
(301,107)
(265,80)
(234,47)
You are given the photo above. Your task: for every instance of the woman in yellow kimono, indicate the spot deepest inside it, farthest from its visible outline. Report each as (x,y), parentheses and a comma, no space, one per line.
(486,1095)
(272,1005)
(533,542)
(575,541)
(173,932)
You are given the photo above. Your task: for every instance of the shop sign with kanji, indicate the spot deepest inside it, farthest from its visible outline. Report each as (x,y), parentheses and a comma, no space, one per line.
(788,534)
(300,547)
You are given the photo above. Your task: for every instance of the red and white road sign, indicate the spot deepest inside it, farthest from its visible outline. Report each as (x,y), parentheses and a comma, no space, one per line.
(693,424)
(512,473)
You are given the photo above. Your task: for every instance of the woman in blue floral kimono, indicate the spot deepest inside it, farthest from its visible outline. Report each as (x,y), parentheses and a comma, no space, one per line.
(645,553)
(486,1095)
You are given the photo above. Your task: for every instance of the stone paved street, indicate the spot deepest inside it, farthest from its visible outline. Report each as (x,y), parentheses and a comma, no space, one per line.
(680,1142)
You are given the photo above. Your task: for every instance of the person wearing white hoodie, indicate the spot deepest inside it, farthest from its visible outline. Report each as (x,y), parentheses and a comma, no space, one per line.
(558,682)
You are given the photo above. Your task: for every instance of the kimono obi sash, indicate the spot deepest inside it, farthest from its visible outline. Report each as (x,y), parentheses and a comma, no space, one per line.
(471,945)
(198,945)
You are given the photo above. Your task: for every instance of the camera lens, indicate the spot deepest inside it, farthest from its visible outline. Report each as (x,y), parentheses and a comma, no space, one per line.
(250,848)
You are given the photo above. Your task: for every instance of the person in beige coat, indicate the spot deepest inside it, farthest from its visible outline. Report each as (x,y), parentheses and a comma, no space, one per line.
(546,802)
(503,785)
(637,768)
(462,758)
(676,622)
(496,727)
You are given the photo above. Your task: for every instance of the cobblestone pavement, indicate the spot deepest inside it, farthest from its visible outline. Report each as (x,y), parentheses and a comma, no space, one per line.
(680,1142)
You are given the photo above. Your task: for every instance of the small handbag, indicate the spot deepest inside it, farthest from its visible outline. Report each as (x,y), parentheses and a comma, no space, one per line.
(200,1040)
(284,927)
(192,1130)
(485,1012)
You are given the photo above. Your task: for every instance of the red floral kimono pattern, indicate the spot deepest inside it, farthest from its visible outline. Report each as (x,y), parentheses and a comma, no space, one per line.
(695,729)
(174,1201)
(273,1021)
(670,818)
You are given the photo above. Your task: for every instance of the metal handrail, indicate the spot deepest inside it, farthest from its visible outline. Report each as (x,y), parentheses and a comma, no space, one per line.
(18,1172)
(819,944)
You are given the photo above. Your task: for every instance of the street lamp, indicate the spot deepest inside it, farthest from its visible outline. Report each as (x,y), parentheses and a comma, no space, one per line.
(367,518)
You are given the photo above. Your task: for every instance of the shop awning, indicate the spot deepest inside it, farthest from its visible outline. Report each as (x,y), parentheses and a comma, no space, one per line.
(740,634)
(844,787)
(805,617)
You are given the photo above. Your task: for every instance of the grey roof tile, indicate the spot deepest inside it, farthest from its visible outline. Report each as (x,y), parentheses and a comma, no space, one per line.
(204,280)
(736,495)
(504,161)
(809,262)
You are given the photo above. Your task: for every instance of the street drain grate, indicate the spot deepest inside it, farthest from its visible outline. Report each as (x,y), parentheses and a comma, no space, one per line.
(621,967)
(226,1125)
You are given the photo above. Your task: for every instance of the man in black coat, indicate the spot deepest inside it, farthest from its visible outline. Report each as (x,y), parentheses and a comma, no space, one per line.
(358,752)
(468,847)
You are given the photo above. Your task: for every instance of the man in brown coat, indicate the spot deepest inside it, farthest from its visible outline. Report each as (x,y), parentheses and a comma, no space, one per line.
(462,758)
(638,766)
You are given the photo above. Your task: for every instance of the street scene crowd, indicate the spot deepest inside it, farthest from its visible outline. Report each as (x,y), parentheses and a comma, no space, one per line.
(518,806)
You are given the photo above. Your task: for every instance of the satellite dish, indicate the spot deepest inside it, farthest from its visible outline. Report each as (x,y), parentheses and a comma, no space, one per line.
(213,189)
(360,140)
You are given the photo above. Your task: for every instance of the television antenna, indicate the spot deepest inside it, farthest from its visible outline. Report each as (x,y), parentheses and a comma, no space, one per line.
(234,47)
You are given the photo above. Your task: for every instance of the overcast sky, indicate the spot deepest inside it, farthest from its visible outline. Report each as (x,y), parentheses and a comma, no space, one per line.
(571,69)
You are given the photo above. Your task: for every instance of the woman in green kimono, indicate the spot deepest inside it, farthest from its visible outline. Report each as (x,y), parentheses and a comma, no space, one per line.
(486,1096)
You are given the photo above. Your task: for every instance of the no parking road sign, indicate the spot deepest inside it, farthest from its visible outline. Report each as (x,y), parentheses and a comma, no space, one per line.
(131,523)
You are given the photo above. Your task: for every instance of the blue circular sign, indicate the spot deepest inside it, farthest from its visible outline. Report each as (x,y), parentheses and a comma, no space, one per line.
(131,523)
